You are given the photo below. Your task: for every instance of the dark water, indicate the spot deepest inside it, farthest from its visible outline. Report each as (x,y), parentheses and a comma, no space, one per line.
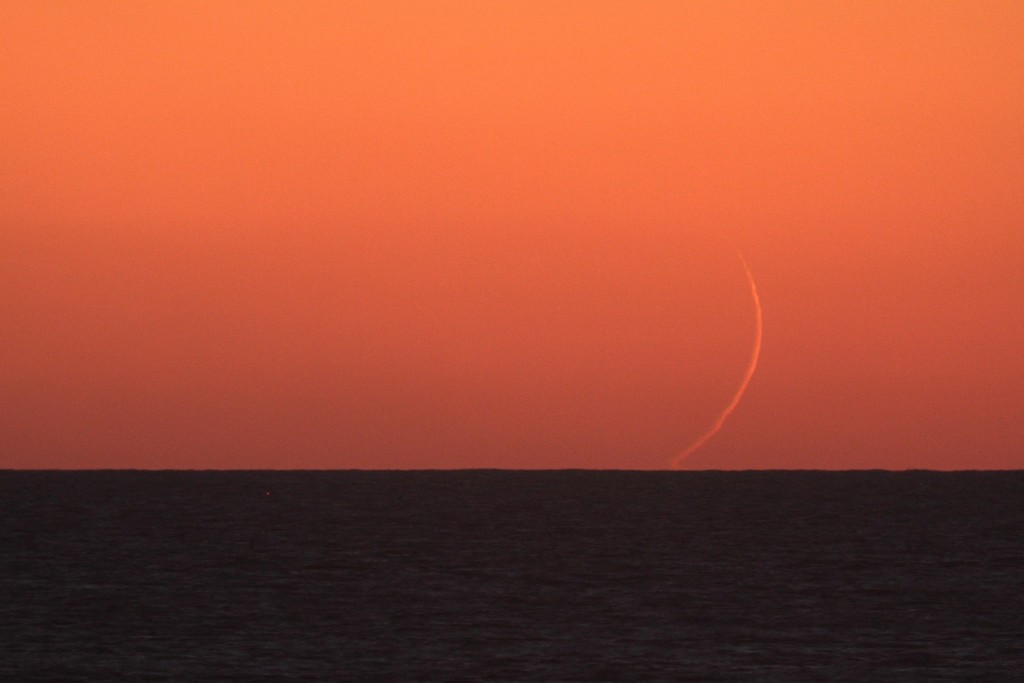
(511,576)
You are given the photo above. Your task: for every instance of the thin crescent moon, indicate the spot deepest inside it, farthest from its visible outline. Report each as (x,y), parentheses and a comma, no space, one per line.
(754,356)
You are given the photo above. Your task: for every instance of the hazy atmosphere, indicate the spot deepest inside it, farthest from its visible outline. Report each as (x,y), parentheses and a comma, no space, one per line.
(479,234)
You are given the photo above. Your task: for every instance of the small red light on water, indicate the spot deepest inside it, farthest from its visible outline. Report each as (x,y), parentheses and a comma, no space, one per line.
(267,493)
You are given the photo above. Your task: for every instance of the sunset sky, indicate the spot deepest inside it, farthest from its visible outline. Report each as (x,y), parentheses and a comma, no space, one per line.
(437,234)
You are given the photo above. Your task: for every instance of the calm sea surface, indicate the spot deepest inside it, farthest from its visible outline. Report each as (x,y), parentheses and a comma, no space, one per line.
(499,575)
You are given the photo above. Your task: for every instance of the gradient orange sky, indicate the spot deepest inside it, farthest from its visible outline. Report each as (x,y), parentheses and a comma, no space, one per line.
(503,234)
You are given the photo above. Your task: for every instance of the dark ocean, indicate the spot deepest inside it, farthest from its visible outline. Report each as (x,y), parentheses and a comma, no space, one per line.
(504,575)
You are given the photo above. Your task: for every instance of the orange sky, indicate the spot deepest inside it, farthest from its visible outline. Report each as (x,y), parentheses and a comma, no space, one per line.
(503,234)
